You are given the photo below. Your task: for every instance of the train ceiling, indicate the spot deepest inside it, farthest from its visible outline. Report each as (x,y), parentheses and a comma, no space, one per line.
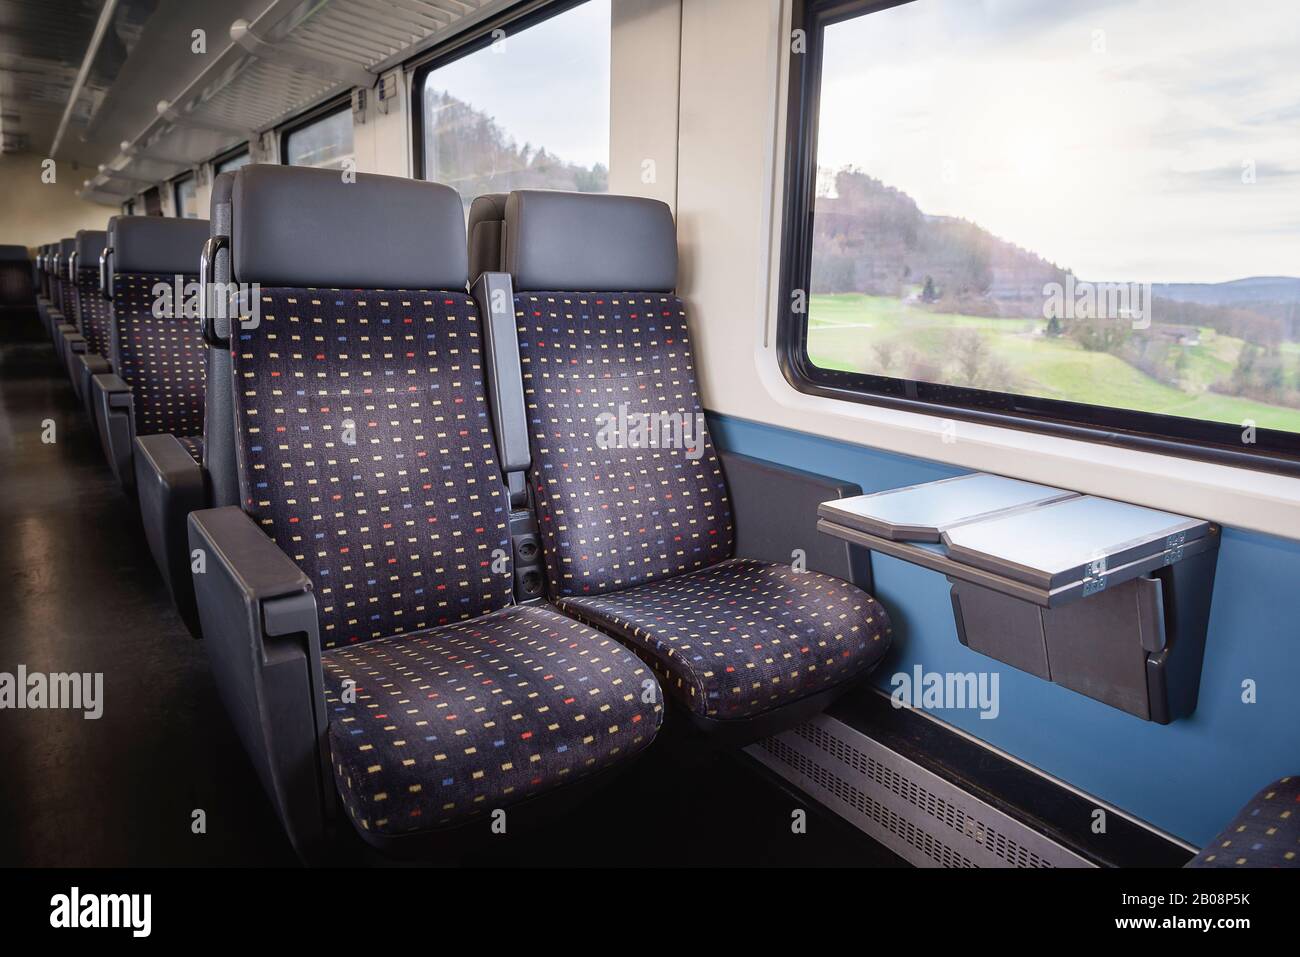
(148,106)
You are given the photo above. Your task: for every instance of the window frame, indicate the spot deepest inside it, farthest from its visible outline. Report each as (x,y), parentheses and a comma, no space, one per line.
(228,155)
(176,185)
(1219,442)
(332,106)
(515,19)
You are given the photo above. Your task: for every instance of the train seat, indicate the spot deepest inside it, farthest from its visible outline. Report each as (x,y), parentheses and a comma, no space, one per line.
(43,302)
(639,538)
(66,318)
(369,568)
(85,351)
(156,344)
(17,289)
(171,474)
(1265,833)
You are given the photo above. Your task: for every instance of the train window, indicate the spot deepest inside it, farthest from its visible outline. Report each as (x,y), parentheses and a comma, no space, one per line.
(128,208)
(1101,248)
(489,120)
(185,197)
(323,141)
(231,163)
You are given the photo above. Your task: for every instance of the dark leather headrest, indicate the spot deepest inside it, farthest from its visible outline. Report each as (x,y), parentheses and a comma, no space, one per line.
(295,226)
(487,216)
(13,253)
(158,246)
(66,246)
(90,243)
(589,242)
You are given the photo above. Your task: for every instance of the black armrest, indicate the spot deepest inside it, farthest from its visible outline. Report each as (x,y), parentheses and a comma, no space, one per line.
(170,485)
(116,423)
(774,509)
(57,322)
(494,295)
(64,336)
(262,635)
(89,365)
(75,346)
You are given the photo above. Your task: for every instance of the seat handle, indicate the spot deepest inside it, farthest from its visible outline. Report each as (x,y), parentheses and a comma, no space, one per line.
(211,248)
(105,286)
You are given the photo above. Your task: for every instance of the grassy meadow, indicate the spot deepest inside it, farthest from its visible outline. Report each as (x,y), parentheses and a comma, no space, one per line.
(880,335)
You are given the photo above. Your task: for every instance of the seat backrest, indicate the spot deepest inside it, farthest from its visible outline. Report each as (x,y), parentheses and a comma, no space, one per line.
(625,480)
(92,309)
(62,279)
(15,276)
(156,343)
(365,444)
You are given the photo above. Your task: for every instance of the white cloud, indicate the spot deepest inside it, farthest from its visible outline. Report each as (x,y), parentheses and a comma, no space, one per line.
(1124,164)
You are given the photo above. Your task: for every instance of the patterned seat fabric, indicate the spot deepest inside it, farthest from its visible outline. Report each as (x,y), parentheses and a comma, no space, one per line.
(743,637)
(1266,833)
(464,719)
(638,534)
(614,517)
(366,452)
(63,298)
(94,313)
(163,359)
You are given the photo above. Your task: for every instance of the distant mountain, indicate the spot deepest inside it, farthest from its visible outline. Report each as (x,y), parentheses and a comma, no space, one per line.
(873,238)
(1257,289)
(468,150)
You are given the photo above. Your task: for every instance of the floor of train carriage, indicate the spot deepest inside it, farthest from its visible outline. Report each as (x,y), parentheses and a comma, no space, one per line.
(79,592)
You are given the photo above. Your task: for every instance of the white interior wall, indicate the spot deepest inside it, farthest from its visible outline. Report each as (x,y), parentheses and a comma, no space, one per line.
(36,212)
(382,140)
(645,44)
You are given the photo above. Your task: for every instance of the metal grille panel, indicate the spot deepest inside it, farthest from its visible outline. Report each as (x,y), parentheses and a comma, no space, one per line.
(915,813)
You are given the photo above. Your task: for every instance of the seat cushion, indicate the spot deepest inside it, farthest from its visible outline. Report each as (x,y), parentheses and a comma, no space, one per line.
(194,445)
(1266,833)
(478,715)
(743,637)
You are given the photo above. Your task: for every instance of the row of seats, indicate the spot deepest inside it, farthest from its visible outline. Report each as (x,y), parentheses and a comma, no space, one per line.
(428,588)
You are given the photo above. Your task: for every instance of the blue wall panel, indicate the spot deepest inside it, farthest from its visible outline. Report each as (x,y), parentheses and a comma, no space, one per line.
(1187,778)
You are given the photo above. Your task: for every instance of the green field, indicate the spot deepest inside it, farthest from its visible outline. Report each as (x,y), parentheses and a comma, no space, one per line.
(849,331)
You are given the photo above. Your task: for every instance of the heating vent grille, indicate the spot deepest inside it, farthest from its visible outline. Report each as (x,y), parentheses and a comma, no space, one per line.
(908,790)
(922,817)
(931,847)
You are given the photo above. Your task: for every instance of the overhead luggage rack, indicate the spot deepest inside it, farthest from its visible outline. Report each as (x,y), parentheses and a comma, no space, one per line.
(290,56)
(1109,599)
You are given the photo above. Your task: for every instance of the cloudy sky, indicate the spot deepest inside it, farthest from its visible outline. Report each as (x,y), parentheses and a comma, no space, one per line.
(1107,135)
(548,85)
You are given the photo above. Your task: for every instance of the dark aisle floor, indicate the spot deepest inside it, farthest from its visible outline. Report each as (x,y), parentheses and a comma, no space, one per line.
(79,592)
